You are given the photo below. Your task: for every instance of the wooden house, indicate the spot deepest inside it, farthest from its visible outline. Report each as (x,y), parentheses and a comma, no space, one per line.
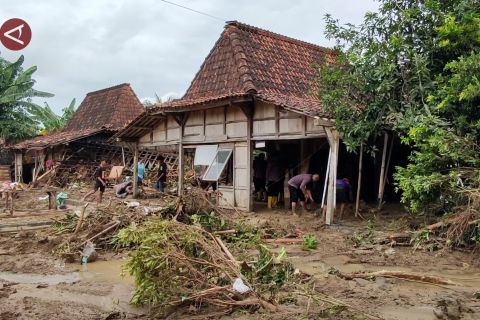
(255,90)
(85,138)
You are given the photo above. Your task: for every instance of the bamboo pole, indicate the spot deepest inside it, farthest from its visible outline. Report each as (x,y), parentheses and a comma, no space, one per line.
(359,183)
(382,171)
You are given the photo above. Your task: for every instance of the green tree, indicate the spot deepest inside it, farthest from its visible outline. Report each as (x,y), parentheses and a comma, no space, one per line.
(49,120)
(412,67)
(16,93)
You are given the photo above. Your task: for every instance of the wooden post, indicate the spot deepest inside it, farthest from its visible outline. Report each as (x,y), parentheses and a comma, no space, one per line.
(385,175)
(249,161)
(18,167)
(180,167)
(333,140)
(382,171)
(327,172)
(135,170)
(123,156)
(359,183)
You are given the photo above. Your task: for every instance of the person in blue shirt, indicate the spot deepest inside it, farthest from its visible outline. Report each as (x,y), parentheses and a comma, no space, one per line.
(140,173)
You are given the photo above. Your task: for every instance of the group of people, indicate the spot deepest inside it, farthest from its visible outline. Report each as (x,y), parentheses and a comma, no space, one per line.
(126,187)
(306,187)
(268,179)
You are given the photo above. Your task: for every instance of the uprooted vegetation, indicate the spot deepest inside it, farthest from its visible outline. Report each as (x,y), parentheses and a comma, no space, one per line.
(177,264)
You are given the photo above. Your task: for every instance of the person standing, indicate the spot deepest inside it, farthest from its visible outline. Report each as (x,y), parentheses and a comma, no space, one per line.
(162,175)
(344,194)
(99,182)
(299,187)
(259,179)
(275,176)
(140,172)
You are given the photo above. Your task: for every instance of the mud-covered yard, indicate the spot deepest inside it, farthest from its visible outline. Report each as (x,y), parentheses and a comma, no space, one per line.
(35,283)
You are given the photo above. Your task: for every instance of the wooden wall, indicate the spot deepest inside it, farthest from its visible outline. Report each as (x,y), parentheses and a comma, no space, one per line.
(272,122)
(229,124)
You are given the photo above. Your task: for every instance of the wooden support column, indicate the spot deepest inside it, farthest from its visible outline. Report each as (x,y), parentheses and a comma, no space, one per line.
(382,171)
(334,141)
(359,183)
(18,167)
(250,160)
(135,170)
(180,166)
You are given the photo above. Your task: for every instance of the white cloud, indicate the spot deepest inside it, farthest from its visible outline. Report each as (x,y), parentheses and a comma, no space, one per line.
(81,46)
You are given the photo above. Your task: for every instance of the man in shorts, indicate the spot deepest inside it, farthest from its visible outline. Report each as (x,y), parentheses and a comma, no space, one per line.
(162,174)
(99,181)
(299,187)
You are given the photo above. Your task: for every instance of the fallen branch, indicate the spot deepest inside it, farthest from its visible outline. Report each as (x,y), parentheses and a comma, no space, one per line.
(284,240)
(116,223)
(80,219)
(225,250)
(396,274)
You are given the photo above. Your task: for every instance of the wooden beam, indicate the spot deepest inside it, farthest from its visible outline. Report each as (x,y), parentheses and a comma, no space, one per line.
(210,105)
(247,109)
(359,183)
(135,171)
(181,118)
(141,128)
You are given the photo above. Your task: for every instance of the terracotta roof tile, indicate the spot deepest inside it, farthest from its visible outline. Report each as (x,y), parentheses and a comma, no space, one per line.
(269,66)
(56,138)
(112,108)
(108,109)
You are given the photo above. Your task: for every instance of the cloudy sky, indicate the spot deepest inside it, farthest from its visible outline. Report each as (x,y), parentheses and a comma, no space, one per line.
(82,46)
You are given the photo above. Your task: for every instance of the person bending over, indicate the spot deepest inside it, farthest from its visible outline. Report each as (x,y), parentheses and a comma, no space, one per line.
(299,187)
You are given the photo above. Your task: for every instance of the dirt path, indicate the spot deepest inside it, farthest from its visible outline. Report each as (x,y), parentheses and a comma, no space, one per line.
(35,285)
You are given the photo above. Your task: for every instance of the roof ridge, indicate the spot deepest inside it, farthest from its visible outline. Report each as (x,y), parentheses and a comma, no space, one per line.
(109,88)
(248,84)
(272,34)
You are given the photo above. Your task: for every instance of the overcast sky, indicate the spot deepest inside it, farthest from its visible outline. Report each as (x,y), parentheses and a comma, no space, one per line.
(82,46)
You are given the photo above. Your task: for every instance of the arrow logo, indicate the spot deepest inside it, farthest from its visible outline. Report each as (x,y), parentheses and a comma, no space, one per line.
(15,34)
(8,34)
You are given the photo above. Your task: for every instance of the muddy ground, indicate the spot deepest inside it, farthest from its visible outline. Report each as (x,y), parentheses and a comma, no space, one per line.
(35,284)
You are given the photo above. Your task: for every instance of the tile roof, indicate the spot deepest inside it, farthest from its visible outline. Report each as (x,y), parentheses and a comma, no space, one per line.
(109,109)
(269,66)
(112,108)
(56,138)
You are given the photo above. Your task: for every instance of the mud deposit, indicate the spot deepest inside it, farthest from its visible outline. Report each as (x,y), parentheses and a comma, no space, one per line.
(34,284)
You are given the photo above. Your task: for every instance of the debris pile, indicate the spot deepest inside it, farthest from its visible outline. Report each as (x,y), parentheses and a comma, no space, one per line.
(178,264)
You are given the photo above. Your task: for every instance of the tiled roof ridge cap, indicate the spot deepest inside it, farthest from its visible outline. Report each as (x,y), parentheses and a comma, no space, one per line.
(282,37)
(240,57)
(109,88)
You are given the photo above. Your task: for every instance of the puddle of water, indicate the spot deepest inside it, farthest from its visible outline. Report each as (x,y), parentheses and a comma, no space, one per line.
(34,278)
(412,313)
(108,271)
